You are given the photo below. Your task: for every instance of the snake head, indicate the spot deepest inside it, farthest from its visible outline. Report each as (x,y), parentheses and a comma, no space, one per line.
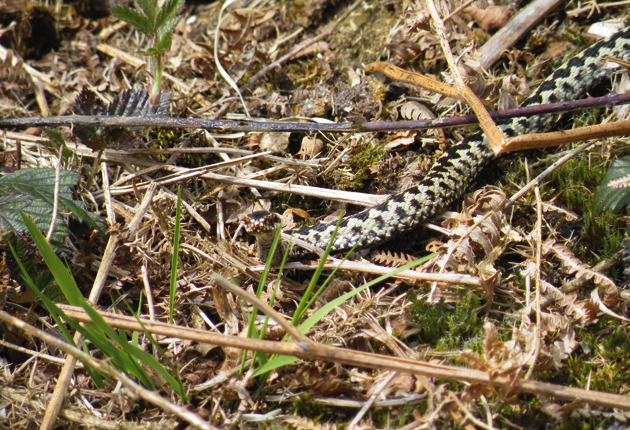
(263,226)
(262,222)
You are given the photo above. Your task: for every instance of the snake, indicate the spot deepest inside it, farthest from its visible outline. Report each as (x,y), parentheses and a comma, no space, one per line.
(454,171)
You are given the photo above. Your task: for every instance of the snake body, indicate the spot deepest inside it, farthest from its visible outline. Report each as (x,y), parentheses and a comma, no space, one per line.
(455,170)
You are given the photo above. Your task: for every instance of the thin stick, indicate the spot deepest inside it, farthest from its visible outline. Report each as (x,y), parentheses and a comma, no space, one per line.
(495,137)
(102,366)
(538,235)
(358,358)
(458,10)
(55,209)
(503,39)
(286,126)
(300,339)
(578,11)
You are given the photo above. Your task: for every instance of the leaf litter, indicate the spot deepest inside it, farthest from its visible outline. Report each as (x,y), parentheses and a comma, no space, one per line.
(482,239)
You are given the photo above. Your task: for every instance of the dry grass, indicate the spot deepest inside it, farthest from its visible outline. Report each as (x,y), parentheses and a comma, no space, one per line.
(491,301)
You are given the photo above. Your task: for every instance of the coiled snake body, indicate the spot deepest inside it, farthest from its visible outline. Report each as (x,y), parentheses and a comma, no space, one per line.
(455,170)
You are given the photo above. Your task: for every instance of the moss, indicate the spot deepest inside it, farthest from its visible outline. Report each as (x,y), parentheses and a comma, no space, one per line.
(168,138)
(448,326)
(571,186)
(604,364)
(396,418)
(365,157)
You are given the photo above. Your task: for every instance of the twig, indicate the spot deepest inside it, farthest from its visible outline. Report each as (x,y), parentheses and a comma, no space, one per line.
(55,208)
(458,10)
(379,270)
(503,39)
(578,11)
(495,137)
(607,101)
(301,340)
(337,195)
(104,367)
(376,392)
(357,358)
(538,179)
(538,235)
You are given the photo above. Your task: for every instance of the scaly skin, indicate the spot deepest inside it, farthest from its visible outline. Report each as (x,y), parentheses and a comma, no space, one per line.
(455,170)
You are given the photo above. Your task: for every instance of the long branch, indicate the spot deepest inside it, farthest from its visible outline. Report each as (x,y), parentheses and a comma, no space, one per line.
(347,127)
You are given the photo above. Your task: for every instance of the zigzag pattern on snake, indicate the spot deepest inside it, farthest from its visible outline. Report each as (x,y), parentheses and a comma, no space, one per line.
(455,170)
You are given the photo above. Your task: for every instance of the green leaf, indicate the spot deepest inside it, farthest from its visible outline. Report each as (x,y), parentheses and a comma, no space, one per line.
(282,360)
(170,24)
(127,359)
(174,381)
(168,11)
(175,257)
(613,198)
(164,44)
(150,9)
(131,16)
(55,136)
(32,191)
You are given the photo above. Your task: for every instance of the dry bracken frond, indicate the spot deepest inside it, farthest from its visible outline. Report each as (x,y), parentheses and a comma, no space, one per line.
(391,259)
(623,182)
(466,239)
(574,266)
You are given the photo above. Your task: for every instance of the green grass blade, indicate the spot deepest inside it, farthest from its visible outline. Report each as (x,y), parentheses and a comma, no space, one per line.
(251,330)
(175,257)
(174,381)
(96,332)
(320,313)
(302,306)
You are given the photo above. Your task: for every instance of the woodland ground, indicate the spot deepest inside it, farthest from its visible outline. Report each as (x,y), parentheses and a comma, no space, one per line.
(483,324)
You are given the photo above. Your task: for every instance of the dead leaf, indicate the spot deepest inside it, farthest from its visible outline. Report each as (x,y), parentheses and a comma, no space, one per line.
(276,142)
(490,18)
(311,147)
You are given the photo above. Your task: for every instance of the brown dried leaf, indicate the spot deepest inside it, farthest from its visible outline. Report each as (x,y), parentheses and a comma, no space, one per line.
(311,147)
(603,307)
(276,142)
(559,412)
(574,266)
(413,110)
(323,383)
(307,424)
(401,139)
(490,18)
(484,237)
(391,259)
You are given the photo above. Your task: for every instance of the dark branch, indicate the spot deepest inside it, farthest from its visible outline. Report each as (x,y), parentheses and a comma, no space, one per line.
(250,126)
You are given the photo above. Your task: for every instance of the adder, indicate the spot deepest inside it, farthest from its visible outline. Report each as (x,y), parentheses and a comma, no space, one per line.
(456,169)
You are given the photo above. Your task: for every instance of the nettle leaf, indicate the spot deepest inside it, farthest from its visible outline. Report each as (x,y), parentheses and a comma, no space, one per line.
(31,191)
(164,44)
(135,18)
(169,9)
(613,198)
(150,9)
